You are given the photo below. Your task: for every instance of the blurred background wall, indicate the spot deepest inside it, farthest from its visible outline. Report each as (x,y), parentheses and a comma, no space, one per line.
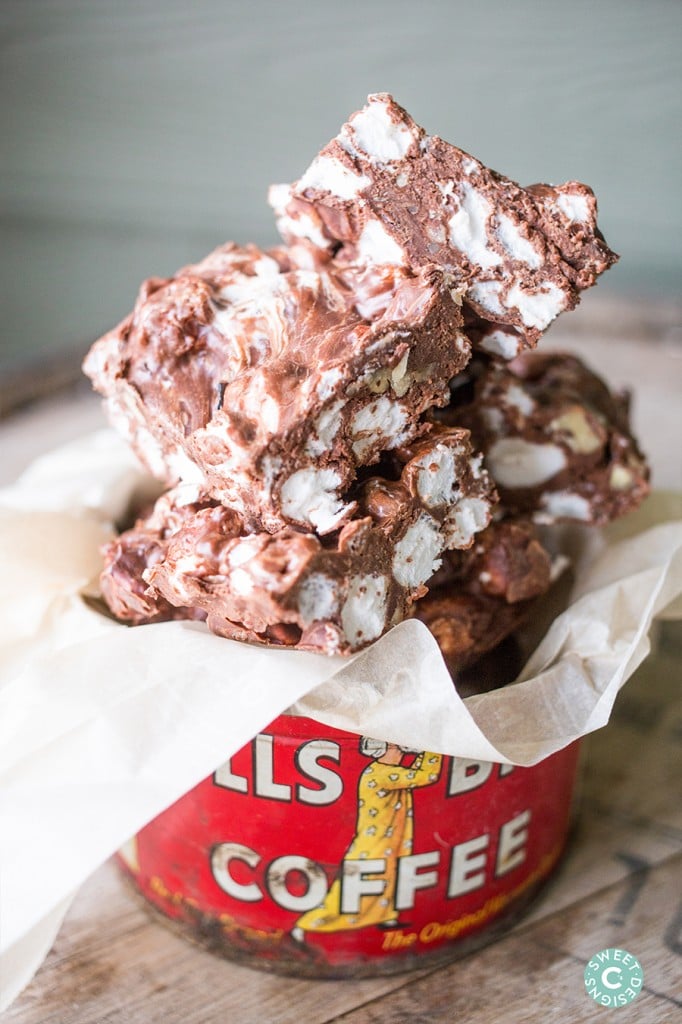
(137,134)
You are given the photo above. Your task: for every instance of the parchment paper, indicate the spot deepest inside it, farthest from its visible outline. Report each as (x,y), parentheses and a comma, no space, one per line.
(103,726)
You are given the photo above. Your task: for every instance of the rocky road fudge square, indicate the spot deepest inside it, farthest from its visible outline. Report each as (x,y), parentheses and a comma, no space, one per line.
(269,386)
(383,191)
(556,440)
(193,556)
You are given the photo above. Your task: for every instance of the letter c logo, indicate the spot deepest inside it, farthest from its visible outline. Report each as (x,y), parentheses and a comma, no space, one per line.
(611,970)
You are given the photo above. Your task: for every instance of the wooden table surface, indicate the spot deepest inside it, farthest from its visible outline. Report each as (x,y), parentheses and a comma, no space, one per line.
(620,883)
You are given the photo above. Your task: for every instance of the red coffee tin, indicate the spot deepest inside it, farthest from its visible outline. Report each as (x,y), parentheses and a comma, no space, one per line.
(315,852)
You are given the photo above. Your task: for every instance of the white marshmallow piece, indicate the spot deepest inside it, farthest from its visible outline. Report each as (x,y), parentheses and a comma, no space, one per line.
(308,497)
(417,554)
(515,463)
(363,615)
(378,136)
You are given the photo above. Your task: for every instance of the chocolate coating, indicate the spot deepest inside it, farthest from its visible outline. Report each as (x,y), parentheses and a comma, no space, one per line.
(506,560)
(467,626)
(269,386)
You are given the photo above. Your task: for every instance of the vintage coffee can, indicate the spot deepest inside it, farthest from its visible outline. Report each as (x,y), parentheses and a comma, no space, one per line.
(317,852)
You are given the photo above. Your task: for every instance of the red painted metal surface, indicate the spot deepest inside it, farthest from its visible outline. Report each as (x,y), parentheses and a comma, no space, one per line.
(315,852)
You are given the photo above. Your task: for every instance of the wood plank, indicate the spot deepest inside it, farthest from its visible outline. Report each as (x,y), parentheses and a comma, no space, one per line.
(112,962)
(602,852)
(127,965)
(536,976)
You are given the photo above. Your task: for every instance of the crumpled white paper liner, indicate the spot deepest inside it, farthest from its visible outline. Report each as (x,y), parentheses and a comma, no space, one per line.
(103,726)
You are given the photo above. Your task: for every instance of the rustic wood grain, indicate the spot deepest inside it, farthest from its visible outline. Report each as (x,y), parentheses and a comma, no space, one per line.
(114,964)
(536,975)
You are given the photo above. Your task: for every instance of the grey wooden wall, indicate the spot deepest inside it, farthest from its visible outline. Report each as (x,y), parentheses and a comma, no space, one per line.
(137,134)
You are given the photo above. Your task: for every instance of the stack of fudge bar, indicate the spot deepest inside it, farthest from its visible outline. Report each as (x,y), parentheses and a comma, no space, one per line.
(353,427)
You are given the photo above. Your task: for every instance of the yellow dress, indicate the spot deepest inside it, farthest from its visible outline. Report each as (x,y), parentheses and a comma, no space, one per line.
(384,830)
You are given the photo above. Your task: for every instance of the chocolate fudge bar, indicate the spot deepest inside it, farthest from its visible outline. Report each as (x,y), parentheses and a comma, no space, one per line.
(383,191)
(333,594)
(268,386)
(557,442)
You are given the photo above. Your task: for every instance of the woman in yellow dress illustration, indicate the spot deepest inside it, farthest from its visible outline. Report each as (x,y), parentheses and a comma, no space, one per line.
(384,831)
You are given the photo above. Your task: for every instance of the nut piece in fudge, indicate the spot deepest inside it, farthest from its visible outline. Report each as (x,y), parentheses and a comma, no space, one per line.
(333,594)
(383,191)
(269,386)
(557,442)
(480,596)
